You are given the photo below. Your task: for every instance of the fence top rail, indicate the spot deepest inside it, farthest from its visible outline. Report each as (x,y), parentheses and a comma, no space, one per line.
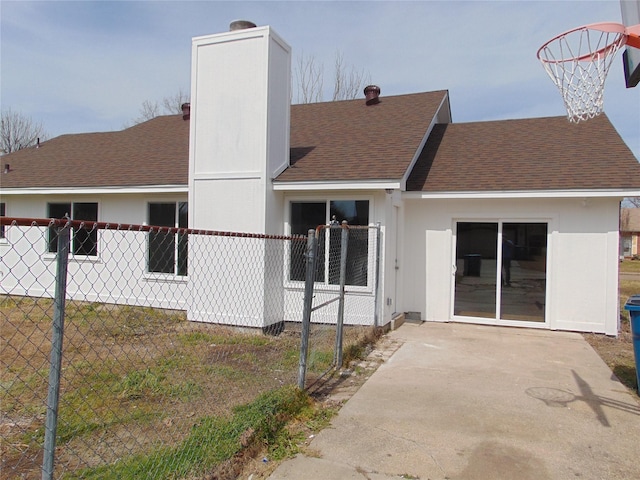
(344,224)
(89,225)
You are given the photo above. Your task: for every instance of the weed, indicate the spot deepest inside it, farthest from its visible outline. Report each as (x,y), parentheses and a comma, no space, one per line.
(141,386)
(319,361)
(212,440)
(617,352)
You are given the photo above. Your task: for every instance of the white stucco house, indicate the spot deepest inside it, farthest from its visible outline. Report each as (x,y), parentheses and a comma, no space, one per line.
(511,222)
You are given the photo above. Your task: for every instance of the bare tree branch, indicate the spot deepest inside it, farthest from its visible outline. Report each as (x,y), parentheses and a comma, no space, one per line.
(173,104)
(348,83)
(631,202)
(17,131)
(148,110)
(309,79)
(170,105)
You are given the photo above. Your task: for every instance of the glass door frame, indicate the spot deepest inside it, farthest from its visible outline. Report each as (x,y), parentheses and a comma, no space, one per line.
(497,320)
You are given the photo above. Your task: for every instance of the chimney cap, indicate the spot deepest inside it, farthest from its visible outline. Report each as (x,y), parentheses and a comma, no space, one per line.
(241,25)
(372,94)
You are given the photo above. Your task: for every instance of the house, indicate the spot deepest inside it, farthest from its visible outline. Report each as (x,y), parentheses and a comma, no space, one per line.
(629,232)
(510,222)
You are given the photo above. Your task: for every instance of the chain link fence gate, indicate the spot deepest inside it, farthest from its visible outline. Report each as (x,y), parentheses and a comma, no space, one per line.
(343,286)
(154,340)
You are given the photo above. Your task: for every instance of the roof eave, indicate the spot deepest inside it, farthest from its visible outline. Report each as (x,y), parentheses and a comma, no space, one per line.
(393,184)
(573,193)
(133,189)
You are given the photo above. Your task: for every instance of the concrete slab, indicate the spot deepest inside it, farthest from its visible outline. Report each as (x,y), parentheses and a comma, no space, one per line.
(471,402)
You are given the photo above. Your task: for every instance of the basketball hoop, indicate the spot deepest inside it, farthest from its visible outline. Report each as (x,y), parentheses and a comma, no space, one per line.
(578,62)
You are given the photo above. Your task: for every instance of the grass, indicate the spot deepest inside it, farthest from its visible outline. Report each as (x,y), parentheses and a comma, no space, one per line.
(146,390)
(617,352)
(630,266)
(215,441)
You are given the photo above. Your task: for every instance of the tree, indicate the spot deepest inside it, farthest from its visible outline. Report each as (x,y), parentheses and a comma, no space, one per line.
(169,106)
(348,83)
(18,131)
(173,104)
(632,202)
(308,79)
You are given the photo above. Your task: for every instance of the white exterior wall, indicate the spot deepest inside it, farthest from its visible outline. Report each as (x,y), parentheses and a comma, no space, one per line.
(582,262)
(360,302)
(116,275)
(239,141)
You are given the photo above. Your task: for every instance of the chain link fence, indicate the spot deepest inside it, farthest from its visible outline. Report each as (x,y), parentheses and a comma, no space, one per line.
(345,290)
(126,345)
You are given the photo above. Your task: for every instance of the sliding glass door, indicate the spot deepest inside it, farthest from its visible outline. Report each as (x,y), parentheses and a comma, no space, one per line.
(501,270)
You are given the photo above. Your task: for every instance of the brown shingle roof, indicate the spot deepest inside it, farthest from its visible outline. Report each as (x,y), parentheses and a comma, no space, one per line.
(151,153)
(349,140)
(530,154)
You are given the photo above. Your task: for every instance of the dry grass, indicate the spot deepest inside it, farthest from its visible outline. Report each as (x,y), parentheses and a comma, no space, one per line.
(630,266)
(617,352)
(133,378)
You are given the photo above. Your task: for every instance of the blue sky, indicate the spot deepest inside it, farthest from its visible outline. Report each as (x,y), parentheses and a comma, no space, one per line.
(88,66)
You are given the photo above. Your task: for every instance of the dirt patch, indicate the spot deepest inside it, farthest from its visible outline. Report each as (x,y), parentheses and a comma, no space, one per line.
(617,353)
(329,394)
(136,380)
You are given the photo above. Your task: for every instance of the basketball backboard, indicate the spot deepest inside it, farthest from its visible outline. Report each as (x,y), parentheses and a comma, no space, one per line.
(631,56)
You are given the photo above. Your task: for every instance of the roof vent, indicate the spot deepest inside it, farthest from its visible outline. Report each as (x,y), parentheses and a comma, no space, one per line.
(241,25)
(186,111)
(372,94)
(7,168)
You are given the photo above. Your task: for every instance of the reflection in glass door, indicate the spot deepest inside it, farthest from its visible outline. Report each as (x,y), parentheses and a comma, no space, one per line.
(475,284)
(518,292)
(524,271)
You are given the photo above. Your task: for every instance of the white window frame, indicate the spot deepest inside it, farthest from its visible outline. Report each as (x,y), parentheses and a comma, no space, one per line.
(175,276)
(72,254)
(325,285)
(550,222)
(3,228)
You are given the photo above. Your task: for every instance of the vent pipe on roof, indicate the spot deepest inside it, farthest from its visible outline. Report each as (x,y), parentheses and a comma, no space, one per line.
(372,94)
(241,25)
(7,168)
(186,111)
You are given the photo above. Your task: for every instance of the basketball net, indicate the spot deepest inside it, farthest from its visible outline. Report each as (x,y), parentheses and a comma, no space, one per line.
(578,62)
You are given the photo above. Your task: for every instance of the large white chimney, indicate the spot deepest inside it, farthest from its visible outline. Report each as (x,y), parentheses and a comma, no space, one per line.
(239,140)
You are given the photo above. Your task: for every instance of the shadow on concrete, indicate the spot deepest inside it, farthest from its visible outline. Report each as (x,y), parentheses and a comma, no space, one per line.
(554,397)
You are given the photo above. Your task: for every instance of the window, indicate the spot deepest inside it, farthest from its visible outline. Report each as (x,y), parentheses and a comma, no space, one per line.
(84,241)
(167,252)
(2,214)
(308,215)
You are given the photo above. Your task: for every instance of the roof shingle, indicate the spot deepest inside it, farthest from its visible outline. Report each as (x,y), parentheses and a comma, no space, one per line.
(529,154)
(150,153)
(348,140)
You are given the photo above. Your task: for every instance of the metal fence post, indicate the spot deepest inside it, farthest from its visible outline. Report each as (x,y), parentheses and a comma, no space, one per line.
(312,245)
(376,302)
(51,422)
(344,242)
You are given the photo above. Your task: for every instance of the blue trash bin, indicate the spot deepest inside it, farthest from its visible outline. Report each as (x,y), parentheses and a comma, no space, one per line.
(633,307)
